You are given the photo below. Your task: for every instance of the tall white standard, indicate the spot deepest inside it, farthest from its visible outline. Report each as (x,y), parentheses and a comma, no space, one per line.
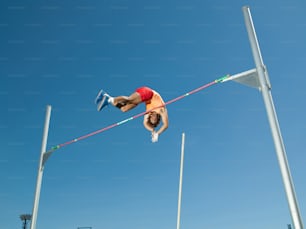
(40,168)
(265,88)
(181,183)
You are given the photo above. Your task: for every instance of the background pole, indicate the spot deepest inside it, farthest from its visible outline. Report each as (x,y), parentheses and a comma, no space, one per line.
(275,129)
(181,183)
(40,168)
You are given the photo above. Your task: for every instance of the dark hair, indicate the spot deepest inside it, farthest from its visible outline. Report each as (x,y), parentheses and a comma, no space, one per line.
(157,117)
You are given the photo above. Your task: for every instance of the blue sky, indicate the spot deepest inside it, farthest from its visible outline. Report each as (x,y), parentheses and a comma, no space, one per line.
(62,53)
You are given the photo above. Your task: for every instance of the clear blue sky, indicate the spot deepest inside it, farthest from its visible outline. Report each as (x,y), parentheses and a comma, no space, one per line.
(62,52)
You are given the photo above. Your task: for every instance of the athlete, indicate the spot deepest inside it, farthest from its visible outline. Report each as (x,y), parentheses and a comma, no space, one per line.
(155,106)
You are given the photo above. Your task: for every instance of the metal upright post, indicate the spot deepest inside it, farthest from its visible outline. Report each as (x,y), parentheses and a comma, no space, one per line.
(265,88)
(181,183)
(40,168)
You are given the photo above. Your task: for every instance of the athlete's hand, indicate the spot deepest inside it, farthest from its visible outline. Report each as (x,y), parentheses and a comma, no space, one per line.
(154,136)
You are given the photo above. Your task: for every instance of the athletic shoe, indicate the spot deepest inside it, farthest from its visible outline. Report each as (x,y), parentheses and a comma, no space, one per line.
(103,102)
(99,96)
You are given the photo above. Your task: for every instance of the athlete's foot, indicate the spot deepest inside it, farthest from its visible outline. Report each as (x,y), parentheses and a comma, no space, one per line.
(103,102)
(99,96)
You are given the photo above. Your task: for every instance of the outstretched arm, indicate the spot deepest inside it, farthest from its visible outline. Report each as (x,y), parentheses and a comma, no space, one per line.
(164,116)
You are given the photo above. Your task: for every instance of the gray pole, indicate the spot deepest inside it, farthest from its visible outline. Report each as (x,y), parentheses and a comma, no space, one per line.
(276,133)
(40,168)
(181,183)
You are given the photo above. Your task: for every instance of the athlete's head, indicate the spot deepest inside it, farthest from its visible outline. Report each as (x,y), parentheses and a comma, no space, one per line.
(154,119)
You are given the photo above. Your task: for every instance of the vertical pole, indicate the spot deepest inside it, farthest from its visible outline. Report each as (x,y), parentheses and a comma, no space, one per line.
(275,129)
(181,183)
(40,168)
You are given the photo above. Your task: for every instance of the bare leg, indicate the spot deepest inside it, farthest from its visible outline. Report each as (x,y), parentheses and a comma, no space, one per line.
(127,103)
(120,100)
(128,107)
